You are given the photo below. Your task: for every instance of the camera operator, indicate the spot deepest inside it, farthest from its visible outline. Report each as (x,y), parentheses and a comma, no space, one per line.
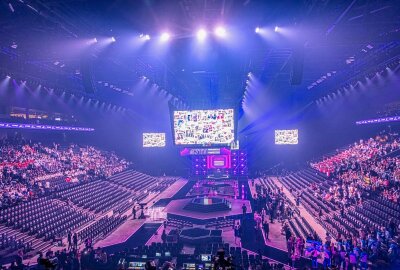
(220,262)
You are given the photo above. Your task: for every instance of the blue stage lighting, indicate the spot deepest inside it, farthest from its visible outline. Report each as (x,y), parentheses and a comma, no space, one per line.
(220,31)
(201,34)
(165,36)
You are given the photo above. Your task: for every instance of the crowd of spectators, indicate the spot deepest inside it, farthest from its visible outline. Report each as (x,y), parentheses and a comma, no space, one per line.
(368,168)
(27,168)
(367,171)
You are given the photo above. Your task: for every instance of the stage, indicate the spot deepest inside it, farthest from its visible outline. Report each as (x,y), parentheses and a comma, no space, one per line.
(175,209)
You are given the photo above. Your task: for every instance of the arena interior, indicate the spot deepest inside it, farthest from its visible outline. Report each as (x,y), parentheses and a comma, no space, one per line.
(199,134)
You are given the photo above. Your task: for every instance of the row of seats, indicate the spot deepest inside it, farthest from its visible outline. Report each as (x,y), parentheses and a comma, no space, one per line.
(298,225)
(97,196)
(44,218)
(9,244)
(101,227)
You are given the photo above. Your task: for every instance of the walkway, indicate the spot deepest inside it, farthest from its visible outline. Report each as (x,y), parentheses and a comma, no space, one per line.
(121,234)
(303,212)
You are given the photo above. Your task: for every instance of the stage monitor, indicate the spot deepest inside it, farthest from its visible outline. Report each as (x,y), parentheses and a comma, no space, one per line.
(287,136)
(153,139)
(206,257)
(137,265)
(218,162)
(204,127)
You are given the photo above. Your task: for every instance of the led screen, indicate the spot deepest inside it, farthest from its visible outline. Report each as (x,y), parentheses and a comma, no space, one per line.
(153,139)
(287,136)
(204,127)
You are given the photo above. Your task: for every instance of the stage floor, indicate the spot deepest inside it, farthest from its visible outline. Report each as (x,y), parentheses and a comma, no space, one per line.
(175,207)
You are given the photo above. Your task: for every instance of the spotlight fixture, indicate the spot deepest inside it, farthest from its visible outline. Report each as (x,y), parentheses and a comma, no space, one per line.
(257,30)
(113,39)
(95,40)
(147,37)
(276,29)
(165,36)
(201,34)
(220,31)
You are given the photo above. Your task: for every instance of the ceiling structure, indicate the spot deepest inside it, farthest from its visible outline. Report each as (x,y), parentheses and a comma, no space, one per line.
(339,38)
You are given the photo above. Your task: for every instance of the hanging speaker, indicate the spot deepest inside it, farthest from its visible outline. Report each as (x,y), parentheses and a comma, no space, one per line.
(87,74)
(296,74)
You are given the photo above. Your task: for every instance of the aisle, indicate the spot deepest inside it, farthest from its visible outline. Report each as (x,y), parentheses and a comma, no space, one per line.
(303,212)
(139,238)
(253,240)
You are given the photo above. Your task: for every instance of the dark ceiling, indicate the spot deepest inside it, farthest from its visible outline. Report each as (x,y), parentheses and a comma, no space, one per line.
(326,33)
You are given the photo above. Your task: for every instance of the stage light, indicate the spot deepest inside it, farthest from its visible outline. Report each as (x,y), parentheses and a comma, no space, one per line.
(147,37)
(165,36)
(8,77)
(113,39)
(95,40)
(276,29)
(257,30)
(220,31)
(201,34)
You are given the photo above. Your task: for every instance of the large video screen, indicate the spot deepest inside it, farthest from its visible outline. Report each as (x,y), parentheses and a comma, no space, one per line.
(287,136)
(204,127)
(153,139)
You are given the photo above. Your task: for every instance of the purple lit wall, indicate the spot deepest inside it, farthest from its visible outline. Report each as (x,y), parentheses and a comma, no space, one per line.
(239,163)
(234,164)
(199,165)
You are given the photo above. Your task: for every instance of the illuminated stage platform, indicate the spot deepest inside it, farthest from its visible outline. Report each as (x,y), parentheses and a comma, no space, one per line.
(176,209)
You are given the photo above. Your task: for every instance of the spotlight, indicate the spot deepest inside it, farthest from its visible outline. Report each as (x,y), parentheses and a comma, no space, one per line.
(220,31)
(165,36)
(95,40)
(201,34)
(113,39)
(145,37)
(257,30)
(8,77)
(276,29)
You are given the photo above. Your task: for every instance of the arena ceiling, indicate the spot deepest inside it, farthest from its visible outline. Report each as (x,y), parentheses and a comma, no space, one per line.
(328,34)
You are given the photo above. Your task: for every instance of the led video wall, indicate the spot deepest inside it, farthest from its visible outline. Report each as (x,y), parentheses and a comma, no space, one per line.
(153,139)
(287,136)
(204,127)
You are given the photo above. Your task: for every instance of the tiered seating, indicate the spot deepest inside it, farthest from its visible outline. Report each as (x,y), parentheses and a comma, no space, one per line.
(161,184)
(9,244)
(124,206)
(133,180)
(220,223)
(101,227)
(58,183)
(42,218)
(97,196)
(178,223)
(298,225)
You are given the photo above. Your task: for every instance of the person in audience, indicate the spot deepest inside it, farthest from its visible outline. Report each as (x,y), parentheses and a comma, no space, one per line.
(69,239)
(75,241)
(314,257)
(164,236)
(134,212)
(266,229)
(244,210)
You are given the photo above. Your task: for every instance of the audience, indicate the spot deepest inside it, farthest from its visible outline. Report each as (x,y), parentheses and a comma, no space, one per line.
(27,169)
